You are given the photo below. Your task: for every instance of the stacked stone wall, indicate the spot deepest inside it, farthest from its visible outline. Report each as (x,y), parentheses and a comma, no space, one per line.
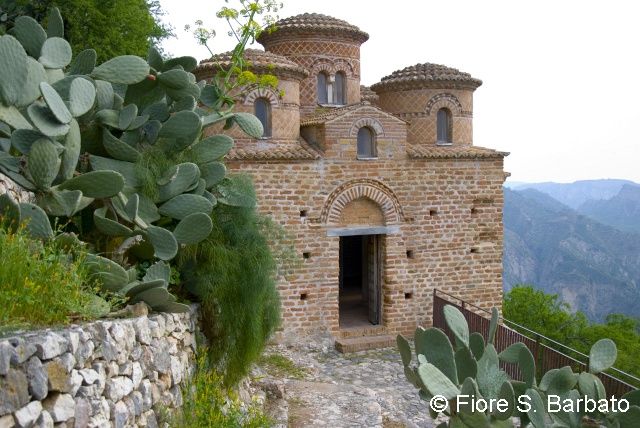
(115,373)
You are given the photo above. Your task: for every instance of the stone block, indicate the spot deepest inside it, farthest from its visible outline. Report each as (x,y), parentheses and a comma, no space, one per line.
(50,345)
(28,415)
(61,407)
(38,378)
(14,391)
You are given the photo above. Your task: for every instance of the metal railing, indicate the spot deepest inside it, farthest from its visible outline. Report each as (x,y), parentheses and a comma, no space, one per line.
(545,350)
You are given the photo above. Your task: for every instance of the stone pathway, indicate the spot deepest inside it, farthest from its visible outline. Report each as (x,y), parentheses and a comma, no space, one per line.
(363,389)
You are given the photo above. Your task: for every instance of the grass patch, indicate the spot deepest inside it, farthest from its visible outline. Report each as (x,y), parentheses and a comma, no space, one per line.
(40,285)
(281,366)
(209,403)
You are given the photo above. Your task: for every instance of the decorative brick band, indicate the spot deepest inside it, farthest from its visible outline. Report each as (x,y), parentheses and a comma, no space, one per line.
(449,101)
(369,122)
(261,92)
(332,67)
(362,188)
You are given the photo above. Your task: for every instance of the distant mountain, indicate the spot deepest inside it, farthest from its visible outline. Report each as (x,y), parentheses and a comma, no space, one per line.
(593,267)
(621,211)
(577,193)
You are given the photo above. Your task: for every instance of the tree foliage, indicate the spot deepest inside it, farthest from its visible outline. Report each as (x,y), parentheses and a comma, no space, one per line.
(111,27)
(549,316)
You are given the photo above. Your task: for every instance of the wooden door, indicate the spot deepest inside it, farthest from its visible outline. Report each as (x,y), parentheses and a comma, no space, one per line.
(373,277)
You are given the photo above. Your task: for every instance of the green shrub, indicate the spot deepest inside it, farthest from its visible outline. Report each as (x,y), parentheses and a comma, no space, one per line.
(39,284)
(208,403)
(232,273)
(549,316)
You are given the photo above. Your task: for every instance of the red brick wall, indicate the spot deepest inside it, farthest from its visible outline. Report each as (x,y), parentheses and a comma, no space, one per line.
(445,208)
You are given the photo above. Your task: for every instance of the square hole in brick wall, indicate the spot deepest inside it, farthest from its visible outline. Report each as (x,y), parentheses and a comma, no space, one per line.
(306,255)
(409,254)
(303,296)
(474,211)
(303,213)
(433,212)
(474,250)
(408,295)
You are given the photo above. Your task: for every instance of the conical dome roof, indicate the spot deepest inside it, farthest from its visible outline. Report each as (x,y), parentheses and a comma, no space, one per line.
(257,61)
(424,76)
(313,23)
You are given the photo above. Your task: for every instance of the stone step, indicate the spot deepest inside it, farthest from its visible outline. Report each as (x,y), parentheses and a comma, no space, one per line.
(355,344)
(374,330)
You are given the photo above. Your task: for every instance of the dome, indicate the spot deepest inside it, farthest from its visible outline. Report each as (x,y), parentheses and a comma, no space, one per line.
(366,94)
(257,61)
(425,76)
(313,23)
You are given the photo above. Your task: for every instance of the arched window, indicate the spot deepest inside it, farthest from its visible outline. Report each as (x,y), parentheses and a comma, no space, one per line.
(262,108)
(340,89)
(322,88)
(366,143)
(444,126)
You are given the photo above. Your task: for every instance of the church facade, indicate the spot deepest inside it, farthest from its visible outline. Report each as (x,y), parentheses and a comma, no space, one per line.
(382,189)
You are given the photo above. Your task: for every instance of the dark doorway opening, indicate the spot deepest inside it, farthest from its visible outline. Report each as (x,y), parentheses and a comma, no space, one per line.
(360,280)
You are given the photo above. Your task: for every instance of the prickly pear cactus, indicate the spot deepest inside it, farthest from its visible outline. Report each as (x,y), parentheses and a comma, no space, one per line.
(123,140)
(472,369)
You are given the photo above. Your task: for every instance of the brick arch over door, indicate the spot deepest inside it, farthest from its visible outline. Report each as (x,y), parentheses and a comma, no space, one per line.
(363,188)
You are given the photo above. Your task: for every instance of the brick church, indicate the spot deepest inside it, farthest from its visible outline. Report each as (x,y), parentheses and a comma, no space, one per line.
(381,187)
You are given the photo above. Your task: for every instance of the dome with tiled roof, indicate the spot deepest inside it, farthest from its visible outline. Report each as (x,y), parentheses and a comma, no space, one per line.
(426,75)
(258,61)
(366,94)
(313,23)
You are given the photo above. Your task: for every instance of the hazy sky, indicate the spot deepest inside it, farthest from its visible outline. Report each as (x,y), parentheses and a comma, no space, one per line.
(560,77)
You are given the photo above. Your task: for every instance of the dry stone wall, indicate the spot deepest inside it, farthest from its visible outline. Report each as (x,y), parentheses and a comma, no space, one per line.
(114,373)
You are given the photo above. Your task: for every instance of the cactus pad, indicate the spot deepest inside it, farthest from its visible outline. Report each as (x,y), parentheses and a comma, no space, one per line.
(436,382)
(249,124)
(602,355)
(193,229)
(84,62)
(108,273)
(55,53)
(164,243)
(55,103)
(55,24)
(45,121)
(82,95)
(43,163)
(108,226)
(96,184)
(13,70)
(30,34)
(185,204)
(36,220)
(126,69)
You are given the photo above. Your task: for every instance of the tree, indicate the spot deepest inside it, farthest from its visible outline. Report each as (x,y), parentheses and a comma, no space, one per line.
(112,27)
(544,313)
(548,315)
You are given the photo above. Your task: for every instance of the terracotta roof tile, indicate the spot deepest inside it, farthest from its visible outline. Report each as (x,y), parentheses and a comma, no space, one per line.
(313,22)
(257,60)
(331,113)
(426,75)
(453,152)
